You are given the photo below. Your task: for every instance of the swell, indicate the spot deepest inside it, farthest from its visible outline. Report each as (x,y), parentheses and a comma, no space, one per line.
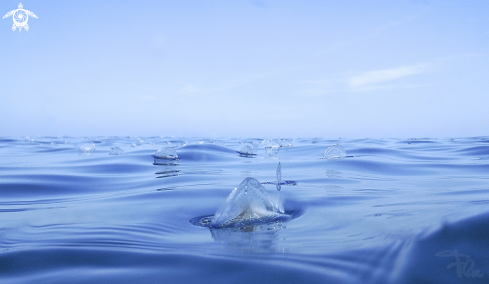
(457,252)
(72,265)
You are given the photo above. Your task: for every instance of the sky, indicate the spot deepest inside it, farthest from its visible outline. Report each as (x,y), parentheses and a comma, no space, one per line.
(278,69)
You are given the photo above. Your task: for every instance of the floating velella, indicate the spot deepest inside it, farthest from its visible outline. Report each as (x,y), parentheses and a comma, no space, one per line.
(247,150)
(165,156)
(87,148)
(272,151)
(256,143)
(271,143)
(166,153)
(285,143)
(29,139)
(249,203)
(334,152)
(116,151)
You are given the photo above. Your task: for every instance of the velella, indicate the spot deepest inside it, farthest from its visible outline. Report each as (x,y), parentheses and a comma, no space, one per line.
(246,151)
(334,152)
(166,153)
(87,148)
(116,151)
(270,143)
(248,203)
(165,156)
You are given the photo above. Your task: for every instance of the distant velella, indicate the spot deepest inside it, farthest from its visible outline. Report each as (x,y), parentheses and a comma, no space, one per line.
(247,150)
(166,153)
(116,151)
(165,156)
(270,144)
(334,152)
(87,148)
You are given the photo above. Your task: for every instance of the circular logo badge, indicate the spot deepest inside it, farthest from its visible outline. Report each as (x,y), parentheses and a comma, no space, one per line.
(20,17)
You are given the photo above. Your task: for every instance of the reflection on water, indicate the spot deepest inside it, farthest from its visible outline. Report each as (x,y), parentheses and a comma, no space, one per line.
(273,152)
(165,162)
(167,173)
(254,238)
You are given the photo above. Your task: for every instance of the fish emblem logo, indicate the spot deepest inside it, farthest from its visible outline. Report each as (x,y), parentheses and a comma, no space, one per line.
(20,16)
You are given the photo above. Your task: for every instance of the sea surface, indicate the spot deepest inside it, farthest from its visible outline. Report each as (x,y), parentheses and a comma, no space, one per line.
(390,211)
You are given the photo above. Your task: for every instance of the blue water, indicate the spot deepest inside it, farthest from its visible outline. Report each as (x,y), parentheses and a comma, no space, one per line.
(392,211)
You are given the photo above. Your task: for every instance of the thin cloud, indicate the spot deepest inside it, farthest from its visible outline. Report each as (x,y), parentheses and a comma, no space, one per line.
(226,85)
(191,89)
(380,76)
(346,82)
(377,32)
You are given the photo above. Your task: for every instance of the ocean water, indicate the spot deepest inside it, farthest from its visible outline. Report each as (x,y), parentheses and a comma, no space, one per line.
(391,211)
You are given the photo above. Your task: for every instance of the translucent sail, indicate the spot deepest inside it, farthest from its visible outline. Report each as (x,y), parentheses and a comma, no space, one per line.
(279,177)
(279,173)
(247,204)
(165,156)
(166,153)
(116,151)
(246,151)
(334,152)
(87,148)
(279,182)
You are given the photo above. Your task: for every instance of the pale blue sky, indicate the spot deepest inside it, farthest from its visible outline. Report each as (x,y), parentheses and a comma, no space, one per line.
(246,68)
